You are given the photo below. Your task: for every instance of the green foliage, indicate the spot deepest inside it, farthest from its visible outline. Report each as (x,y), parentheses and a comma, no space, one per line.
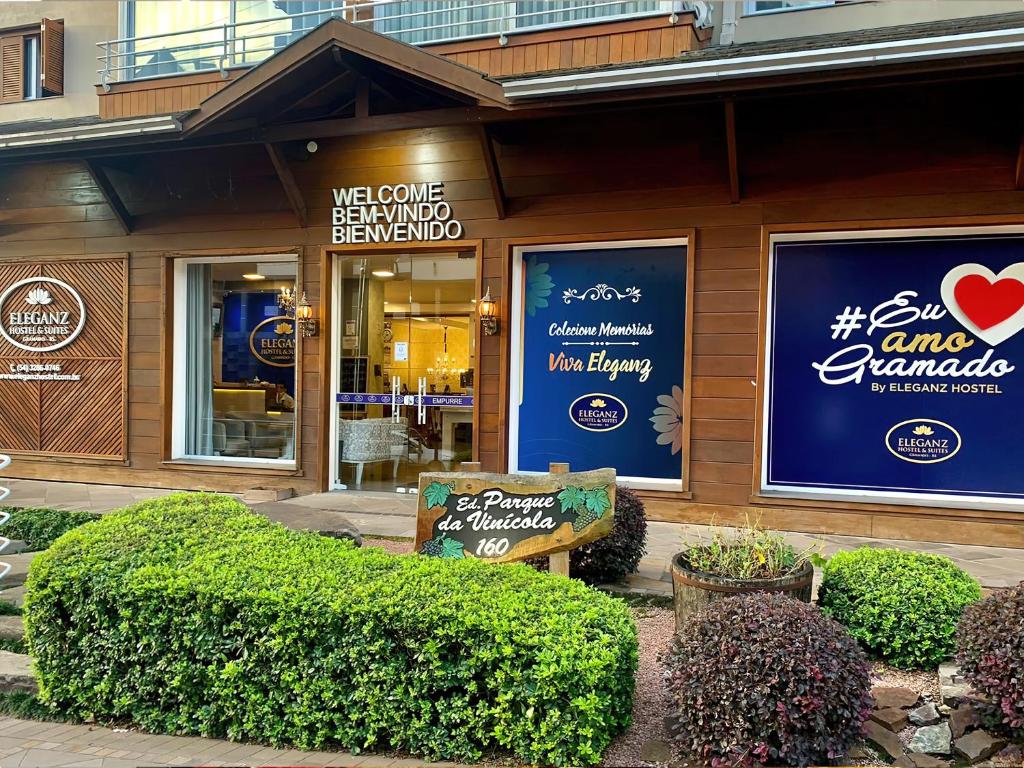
(40,527)
(763,679)
(990,651)
(8,609)
(750,552)
(189,614)
(902,606)
(436,494)
(611,558)
(13,646)
(26,706)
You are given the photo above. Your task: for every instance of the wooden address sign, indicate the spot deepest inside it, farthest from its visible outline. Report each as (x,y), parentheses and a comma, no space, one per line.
(512,517)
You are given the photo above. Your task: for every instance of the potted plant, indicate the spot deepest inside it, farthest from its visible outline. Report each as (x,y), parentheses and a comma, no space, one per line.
(749,559)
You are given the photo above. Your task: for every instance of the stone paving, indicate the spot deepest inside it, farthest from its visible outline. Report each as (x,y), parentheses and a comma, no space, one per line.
(393,515)
(34,744)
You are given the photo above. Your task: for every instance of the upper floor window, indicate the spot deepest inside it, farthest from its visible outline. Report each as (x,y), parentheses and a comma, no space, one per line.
(772,6)
(173,38)
(32,61)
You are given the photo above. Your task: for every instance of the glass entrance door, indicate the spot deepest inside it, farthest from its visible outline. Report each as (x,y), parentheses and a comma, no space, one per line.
(405,357)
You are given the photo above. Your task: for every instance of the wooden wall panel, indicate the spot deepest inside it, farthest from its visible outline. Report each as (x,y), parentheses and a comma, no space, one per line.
(80,418)
(647,173)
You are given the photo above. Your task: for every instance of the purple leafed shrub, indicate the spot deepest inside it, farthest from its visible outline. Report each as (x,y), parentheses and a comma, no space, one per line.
(990,650)
(765,679)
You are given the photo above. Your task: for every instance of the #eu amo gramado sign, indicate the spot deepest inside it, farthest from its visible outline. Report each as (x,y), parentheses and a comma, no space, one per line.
(894,367)
(393,213)
(501,518)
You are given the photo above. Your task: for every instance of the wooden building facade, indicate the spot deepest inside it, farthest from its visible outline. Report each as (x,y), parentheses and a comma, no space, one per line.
(723,165)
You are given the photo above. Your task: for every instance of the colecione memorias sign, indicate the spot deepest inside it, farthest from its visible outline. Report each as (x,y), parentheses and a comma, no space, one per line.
(393,213)
(894,367)
(512,517)
(602,333)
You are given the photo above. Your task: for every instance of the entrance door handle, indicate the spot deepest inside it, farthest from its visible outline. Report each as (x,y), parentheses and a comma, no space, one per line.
(421,409)
(396,384)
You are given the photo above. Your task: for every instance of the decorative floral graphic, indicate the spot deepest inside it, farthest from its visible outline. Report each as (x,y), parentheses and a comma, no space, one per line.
(538,285)
(38,296)
(283,329)
(668,420)
(442,546)
(602,291)
(436,494)
(589,504)
(597,402)
(923,429)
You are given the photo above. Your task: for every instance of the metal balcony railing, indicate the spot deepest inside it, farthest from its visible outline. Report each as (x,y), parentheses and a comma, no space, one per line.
(246,43)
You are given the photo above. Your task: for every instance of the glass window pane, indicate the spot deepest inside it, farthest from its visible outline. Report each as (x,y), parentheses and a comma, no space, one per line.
(191,36)
(239,360)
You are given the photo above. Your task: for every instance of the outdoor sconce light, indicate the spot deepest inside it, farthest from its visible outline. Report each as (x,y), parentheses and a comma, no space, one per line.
(304,317)
(488,309)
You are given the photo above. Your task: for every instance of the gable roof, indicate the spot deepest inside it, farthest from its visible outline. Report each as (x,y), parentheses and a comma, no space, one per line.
(325,65)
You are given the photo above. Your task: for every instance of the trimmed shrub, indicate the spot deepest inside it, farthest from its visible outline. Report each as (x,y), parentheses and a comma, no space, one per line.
(40,526)
(189,614)
(990,650)
(763,679)
(611,559)
(902,606)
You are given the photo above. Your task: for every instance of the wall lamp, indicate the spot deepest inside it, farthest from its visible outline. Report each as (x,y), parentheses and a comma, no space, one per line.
(488,309)
(305,318)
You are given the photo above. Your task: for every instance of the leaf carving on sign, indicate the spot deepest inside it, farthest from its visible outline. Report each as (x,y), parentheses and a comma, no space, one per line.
(436,494)
(442,546)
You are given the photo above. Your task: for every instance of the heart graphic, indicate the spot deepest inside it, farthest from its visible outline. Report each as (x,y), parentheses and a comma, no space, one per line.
(990,306)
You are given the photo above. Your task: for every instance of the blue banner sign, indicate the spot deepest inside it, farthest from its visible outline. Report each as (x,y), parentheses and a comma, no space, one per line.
(603,339)
(894,368)
(363,398)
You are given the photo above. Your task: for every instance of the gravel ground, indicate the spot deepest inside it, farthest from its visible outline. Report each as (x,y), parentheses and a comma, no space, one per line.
(926,682)
(394,547)
(655,627)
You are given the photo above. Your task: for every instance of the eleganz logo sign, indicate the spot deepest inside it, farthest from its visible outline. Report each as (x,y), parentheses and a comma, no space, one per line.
(603,343)
(892,365)
(272,341)
(41,314)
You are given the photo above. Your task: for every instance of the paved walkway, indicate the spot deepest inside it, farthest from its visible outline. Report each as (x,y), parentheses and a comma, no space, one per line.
(34,744)
(393,515)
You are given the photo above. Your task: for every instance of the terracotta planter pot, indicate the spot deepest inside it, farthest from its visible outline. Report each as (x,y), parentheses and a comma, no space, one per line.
(692,590)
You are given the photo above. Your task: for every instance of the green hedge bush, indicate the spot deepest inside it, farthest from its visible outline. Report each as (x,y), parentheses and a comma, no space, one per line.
(39,527)
(189,614)
(902,606)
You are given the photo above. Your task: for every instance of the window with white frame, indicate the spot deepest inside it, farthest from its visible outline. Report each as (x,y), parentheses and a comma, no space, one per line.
(235,387)
(774,6)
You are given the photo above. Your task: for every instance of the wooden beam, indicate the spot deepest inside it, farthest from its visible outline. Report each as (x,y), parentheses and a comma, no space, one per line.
(102,181)
(363,97)
(730,143)
(493,171)
(291,188)
(1018,177)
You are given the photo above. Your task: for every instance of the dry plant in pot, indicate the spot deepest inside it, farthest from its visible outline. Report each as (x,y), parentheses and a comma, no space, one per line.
(738,561)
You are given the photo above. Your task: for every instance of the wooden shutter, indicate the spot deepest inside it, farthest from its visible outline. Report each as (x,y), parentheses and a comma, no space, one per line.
(51,46)
(12,68)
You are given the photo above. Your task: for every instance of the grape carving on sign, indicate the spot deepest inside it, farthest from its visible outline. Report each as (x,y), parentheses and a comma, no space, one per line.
(512,517)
